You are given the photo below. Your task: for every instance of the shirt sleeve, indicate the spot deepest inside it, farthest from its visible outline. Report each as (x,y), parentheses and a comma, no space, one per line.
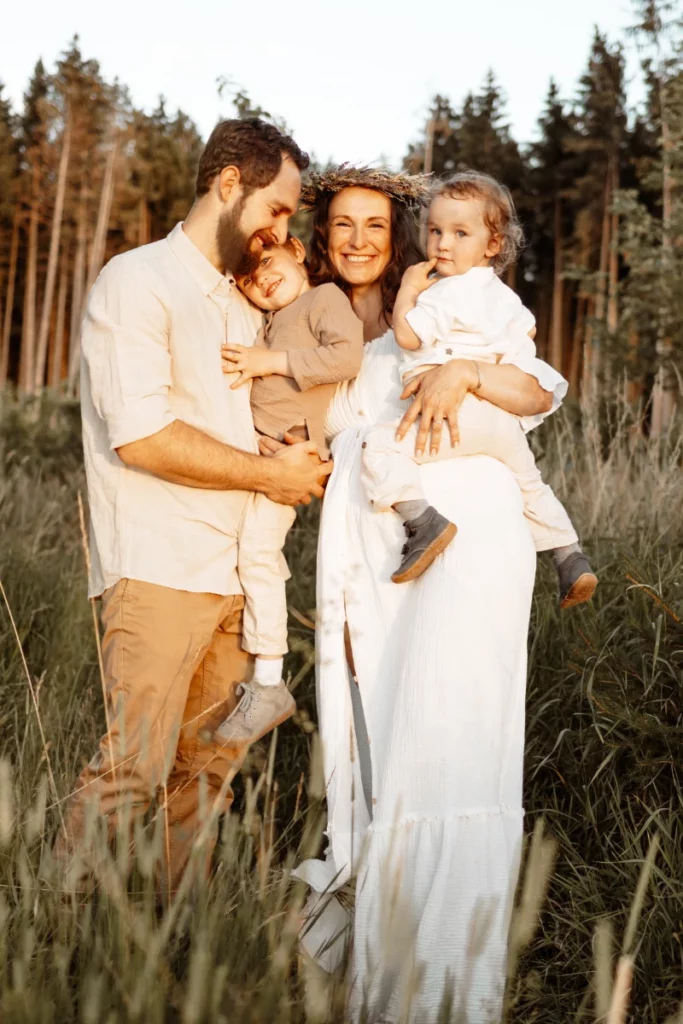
(339,332)
(432,316)
(126,355)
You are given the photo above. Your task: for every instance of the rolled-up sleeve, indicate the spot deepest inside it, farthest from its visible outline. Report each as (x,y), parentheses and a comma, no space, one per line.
(126,354)
(525,358)
(339,354)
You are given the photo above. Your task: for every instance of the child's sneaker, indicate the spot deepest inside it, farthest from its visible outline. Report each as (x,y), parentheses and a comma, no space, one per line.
(260,709)
(428,535)
(577,580)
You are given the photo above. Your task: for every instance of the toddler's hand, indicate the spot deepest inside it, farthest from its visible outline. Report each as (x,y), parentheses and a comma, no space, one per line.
(417,279)
(248,362)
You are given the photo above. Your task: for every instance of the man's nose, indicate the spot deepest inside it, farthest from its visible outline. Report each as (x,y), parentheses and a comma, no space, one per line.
(280,230)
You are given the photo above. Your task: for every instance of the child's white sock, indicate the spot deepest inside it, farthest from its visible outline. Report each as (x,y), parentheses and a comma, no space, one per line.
(268,671)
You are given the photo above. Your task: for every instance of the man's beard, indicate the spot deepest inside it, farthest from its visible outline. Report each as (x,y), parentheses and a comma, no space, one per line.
(233,245)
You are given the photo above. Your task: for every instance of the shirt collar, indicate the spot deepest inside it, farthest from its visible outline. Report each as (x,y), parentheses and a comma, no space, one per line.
(195,262)
(482,273)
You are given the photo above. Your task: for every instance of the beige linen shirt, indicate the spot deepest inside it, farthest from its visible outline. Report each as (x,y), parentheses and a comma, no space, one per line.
(151,353)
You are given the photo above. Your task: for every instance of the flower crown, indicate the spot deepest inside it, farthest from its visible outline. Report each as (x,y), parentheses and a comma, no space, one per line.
(412,190)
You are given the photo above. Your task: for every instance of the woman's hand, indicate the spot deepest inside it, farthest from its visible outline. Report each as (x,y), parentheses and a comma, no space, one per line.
(437,396)
(252,362)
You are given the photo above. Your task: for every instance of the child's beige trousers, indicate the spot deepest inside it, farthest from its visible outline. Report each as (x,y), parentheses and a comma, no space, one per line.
(391,471)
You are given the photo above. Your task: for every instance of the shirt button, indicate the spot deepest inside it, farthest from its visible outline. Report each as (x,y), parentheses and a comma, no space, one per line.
(361,413)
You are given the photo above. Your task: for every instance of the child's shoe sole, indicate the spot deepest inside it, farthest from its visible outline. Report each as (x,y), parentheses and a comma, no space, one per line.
(581,591)
(438,545)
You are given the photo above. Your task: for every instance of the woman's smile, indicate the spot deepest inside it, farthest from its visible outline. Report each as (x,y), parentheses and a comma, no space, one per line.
(355,258)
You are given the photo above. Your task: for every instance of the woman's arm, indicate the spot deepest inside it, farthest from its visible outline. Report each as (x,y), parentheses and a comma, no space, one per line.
(439,393)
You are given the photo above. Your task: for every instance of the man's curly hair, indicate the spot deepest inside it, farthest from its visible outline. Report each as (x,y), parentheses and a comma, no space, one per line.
(254,146)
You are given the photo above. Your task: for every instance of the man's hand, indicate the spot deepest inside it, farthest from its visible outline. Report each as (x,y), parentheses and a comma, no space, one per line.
(416,278)
(252,362)
(299,473)
(437,396)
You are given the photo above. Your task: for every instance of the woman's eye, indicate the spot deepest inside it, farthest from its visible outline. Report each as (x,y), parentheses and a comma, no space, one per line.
(461,234)
(265,261)
(247,282)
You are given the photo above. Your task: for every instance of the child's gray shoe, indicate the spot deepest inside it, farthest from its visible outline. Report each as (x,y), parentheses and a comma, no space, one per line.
(261,708)
(428,535)
(577,580)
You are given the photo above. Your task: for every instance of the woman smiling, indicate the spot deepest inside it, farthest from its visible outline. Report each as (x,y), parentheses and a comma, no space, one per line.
(423,745)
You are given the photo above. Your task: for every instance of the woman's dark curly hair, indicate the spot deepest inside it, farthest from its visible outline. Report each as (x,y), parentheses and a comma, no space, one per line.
(405,249)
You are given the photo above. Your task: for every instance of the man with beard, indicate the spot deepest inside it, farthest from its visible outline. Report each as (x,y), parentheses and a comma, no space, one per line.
(172,464)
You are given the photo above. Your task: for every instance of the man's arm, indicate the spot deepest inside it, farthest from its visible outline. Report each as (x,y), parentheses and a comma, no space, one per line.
(184,455)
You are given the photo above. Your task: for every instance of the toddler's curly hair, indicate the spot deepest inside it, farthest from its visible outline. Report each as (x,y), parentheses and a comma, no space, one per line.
(499,211)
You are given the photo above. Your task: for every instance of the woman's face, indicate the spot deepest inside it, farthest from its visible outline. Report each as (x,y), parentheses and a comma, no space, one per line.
(359,235)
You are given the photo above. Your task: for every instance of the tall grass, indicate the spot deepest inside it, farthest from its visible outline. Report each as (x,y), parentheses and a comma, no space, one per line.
(604,734)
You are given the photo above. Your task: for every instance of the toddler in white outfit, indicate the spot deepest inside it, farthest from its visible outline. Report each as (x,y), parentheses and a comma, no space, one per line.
(466,312)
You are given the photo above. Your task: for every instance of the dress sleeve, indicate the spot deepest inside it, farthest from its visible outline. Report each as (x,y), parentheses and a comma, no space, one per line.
(339,332)
(550,380)
(125,350)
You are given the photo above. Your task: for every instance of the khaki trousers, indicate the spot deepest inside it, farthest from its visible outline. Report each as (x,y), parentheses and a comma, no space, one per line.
(172,662)
(390,468)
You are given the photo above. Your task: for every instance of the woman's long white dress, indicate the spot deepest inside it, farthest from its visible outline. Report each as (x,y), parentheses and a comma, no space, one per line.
(424,783)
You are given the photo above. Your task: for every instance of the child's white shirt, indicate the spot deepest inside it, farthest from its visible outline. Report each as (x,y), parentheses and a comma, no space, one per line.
(468,316)
(476,316)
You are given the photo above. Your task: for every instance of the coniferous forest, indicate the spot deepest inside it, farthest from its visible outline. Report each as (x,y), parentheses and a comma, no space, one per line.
(84,175)
(597,930)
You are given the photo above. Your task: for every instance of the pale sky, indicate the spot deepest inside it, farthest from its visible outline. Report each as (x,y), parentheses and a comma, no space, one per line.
(353,80)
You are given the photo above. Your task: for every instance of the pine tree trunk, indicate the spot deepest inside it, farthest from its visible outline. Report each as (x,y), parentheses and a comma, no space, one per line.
(557,318)
(592,362)
(542,322)
(94,265)
(577,345)
(77,293)
(9,300)
(103,214)
(28,334)
(52,262)
(55,369)
(612,306)
(663,395)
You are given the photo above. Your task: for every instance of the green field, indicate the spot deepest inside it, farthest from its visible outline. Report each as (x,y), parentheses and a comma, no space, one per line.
(604,732)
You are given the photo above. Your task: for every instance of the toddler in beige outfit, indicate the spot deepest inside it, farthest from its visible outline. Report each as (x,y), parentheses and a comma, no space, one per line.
(310,342)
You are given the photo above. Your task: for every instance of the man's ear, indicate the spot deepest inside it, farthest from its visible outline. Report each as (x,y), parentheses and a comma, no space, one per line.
(228,182)
(298,249)
(494,246)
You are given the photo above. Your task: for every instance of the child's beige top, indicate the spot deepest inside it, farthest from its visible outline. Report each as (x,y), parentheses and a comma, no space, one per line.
(324,341)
